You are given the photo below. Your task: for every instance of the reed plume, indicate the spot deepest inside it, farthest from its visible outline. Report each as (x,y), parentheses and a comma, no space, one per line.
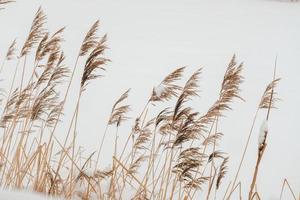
(118,113)
(189,90)
(188,161)
(267,102)
(11,52)
(3,2)
(59,72)
(269,98)
(43,103)
(94,61)
(36,32)
(91,39)
(222,172)
(48,45)
(167,88)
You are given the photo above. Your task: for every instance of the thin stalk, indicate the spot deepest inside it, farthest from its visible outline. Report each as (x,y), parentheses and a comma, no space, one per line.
(2,65)
(101,145)
(259,157)
(243,155)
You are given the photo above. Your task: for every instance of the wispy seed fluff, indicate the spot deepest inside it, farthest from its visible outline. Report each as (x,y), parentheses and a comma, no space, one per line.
(263,131)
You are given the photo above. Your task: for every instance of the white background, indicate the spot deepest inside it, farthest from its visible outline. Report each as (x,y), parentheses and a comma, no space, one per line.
(149,39)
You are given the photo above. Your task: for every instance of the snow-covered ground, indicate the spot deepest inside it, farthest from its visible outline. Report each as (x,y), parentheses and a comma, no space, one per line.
(22,195)
(149,39)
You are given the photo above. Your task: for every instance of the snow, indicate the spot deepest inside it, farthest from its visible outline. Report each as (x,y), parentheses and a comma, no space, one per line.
(21,195)
(159,90)
(149,39)
(263,131)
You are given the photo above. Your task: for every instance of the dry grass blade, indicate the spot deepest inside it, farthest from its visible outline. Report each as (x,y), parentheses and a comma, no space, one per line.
(36,32)
(268,99)
(90,40)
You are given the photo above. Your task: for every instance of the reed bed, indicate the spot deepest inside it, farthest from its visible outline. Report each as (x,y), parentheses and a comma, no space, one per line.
(173,154)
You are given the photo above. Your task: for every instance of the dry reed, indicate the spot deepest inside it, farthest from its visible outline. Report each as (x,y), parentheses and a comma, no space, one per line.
(171,154)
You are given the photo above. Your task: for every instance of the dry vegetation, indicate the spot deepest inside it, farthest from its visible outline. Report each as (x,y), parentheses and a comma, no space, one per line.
(172,155)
